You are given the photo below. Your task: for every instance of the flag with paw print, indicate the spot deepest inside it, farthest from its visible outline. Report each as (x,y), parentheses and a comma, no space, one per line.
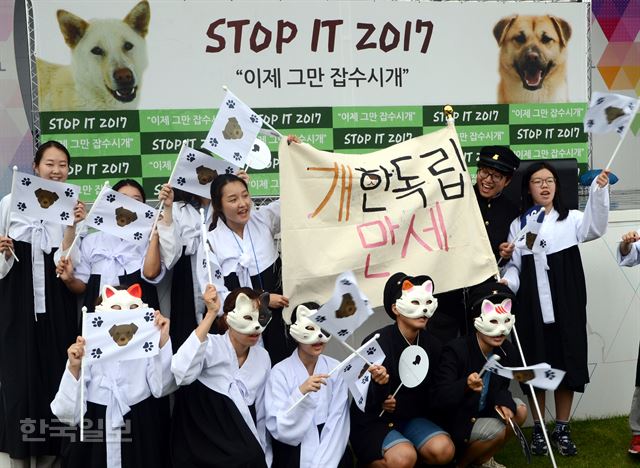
(122,216)
(539,375)
(234,130)
(43,199)
(194,171)
(120,335)
(610,112)
(354,371)
(346,310)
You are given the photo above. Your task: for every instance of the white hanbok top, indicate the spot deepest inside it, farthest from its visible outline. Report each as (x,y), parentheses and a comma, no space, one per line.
(555,236)
(246,256)
(632,258)
(215,364)
(43,237)
(111,257)
(185,231)
(328,406)
(118,386)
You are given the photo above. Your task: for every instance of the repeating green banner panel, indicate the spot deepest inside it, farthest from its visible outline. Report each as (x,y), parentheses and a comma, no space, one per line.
(149,149)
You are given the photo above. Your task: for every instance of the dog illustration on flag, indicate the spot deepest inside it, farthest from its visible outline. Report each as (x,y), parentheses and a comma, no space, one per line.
(46,198)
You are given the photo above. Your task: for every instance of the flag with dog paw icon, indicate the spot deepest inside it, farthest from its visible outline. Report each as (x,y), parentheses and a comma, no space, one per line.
(43,199)
(539,375)
(347,309)
(354,370)
(120,335)
(610,113)
(234,130)
(194,171)
(122,216)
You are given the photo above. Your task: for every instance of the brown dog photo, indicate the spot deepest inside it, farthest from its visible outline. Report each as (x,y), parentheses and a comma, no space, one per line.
(533,59)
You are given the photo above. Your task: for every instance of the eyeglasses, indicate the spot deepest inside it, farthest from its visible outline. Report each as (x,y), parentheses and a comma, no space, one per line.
(549,181)
(495,176)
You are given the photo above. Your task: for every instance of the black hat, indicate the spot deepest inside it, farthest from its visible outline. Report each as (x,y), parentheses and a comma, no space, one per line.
(500,158)
(393,289)
(494,292)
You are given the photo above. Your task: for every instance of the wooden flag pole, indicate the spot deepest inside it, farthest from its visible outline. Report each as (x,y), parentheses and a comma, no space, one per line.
(535,401)
(8,220)
(203,230)
(84,313)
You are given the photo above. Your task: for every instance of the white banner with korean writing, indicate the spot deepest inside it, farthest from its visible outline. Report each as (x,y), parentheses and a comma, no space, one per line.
(408,208)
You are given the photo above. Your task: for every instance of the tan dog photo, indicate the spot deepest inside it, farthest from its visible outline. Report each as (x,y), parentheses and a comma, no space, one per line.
(533,59)
(108,58)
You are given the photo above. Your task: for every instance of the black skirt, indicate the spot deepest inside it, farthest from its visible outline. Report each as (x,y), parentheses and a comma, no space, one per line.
(183,308)
(149,293)
(144,437)
(562,344)
(33,354)
(209,431)
(275,336)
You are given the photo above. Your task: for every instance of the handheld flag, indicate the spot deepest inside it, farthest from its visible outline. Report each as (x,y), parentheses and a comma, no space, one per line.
(355,373)
(194,171)
(44,199)
(120,335)
(530,224)
(234,130)
(347,309)
(540,375)
(122,216)
(610,113)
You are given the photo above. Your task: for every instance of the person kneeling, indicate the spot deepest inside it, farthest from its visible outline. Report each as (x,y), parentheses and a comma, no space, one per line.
(476,403)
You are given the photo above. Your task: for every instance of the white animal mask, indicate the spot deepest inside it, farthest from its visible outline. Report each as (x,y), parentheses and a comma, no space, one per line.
(417,301)
(248,319)
(116,299)
(305,330)
(495,319)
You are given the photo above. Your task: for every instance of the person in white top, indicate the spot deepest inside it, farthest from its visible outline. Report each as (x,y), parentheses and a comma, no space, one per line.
(120,409)
(107,259)
(629,255)
(548,278)
(39,316)
(242,250)
(219,419)
(315,432)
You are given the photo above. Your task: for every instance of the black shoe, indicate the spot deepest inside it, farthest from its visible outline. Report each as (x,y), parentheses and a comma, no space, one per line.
(538,444)
(561,439)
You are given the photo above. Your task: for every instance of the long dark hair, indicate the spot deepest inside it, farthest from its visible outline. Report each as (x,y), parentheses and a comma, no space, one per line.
(186,198)
(216,196)
(50,144)
(527,200)
(130,183)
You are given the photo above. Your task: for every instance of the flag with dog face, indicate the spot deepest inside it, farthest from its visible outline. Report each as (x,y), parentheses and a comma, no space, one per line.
(610,113)
(194,171)
(530,224)
(120,335)
(234,130)
(43,199)
(539,375)
(347,309)
(354,370)
(122,216)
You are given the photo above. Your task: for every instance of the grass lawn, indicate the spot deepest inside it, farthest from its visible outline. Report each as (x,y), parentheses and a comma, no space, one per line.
(601,443)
